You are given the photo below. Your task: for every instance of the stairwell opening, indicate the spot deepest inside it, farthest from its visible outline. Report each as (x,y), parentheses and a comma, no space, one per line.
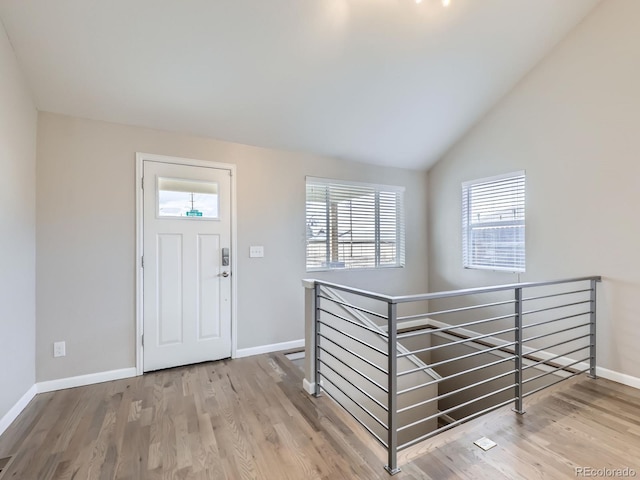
(4,464)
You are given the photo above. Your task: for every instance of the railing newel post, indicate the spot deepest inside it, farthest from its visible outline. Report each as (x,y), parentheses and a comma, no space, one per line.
(592,332)
(518,351)
(392,424)
(316,293)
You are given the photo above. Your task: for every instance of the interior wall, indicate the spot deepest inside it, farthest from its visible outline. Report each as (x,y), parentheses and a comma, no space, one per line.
(86,238)
(572,124)
(18,121)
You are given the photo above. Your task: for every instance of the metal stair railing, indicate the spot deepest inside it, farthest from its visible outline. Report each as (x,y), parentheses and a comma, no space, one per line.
(544,333)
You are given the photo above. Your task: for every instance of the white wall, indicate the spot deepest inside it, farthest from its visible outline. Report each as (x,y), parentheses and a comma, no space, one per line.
(573,124)
(18,120)
(86,238)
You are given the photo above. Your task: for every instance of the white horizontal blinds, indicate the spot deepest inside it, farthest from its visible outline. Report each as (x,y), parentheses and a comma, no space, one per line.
(317,226)
(493,212)
(391,250)
(190,186)
(353,225)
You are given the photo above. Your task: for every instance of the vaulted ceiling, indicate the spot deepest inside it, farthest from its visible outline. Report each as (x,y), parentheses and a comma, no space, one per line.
(390,82)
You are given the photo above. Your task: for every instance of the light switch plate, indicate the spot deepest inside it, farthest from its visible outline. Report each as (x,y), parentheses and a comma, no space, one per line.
(256,251)
(485,443)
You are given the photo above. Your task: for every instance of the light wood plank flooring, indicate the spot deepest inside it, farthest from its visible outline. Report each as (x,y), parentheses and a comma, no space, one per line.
(249,418)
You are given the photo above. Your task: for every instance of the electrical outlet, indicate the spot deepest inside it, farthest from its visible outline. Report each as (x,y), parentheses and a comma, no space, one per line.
(59,349)
(256,252)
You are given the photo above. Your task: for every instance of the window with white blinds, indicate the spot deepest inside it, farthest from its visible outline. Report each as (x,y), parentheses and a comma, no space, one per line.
(353,225)
(493,223)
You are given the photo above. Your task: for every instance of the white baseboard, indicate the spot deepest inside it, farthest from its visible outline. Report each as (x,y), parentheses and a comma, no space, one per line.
(20,405)
(275,347)
(309,387)
(81,380)
(618,377)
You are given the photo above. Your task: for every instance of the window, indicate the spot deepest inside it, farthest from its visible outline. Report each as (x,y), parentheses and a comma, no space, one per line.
(493,223)
(187,198)
(353,225)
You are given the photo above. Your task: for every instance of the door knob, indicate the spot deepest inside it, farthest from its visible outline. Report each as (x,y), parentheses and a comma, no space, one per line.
(225,274)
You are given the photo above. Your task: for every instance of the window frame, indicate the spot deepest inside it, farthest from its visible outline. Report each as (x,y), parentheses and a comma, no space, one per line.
(376,189)
(467,228)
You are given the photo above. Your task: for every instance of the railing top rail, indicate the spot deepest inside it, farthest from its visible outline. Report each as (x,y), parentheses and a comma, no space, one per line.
(450,293)
(365,293)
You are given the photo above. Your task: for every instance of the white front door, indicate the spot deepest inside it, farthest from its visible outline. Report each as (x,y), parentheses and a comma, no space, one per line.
(187,264)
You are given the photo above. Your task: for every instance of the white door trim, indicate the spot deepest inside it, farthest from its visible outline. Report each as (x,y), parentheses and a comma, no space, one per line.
(140,158)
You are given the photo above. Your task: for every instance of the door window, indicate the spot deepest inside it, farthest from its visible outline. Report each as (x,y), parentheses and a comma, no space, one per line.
(178,197)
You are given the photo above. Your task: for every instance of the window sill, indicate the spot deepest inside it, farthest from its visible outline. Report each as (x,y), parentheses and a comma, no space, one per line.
(352,269)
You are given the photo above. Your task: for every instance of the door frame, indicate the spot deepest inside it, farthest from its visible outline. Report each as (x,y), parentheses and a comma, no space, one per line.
(140,158)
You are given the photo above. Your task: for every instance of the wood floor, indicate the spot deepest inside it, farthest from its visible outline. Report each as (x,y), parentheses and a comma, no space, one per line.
(249,418)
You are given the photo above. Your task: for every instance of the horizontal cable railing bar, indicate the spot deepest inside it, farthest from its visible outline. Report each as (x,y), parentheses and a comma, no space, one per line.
(357,355)
(367,428)
(466,340)
(454,327)
(449,377)
(355,339)
(537,337)
(453,392)
(355,307)
(353,322)
(555,295)
(361,390)
(555,357)
(505,347)
(562,367)
(457,407)
(451,293)
(478,290)
(361,407)
(555,307)
(557,344)
(554,320)
(461,357)
(357,291)
(363,375)
(536,390)
(455,310)
(453,424)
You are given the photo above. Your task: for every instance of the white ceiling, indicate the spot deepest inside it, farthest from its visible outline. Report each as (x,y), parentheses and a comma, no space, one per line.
(388,82)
